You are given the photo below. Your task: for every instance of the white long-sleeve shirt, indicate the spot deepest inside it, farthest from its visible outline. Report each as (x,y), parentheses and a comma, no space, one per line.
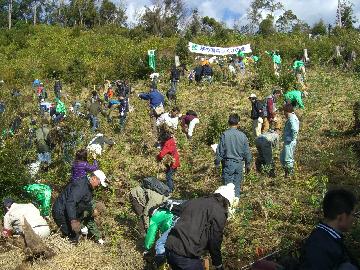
(168,120)
(14,219)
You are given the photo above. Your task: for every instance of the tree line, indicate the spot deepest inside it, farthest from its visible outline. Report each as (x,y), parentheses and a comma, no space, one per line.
(165,17)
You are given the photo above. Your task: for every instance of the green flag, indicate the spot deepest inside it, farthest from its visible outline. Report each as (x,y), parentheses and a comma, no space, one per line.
(152,62)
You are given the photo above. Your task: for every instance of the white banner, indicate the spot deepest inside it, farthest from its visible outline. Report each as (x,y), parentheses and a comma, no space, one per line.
(202,49)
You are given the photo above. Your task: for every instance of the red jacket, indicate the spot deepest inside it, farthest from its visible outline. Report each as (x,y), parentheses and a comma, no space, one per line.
(169,147)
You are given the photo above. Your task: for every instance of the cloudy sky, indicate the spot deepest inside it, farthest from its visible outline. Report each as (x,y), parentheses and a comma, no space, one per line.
(230,10)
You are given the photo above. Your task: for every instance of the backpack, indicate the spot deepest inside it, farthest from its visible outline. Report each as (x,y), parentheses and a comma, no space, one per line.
(156,185)
(260,106)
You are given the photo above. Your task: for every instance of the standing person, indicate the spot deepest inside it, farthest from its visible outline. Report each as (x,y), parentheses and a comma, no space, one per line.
(94,109)
(265,144)
(291,131)
(200,228)
(81,166)
(232,152)
(198,70)
(174,77)
(16,214)
(57,88)
(207,73)
(256,114)
(276,58)
(299,71)
(294,97)
(188,123)
(123,110)
(168,147)
(325,248)
(75,204)
(42,143)
(269,111)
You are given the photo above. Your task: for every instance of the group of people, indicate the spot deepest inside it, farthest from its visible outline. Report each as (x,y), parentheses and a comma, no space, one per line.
(187,229)
(266,128)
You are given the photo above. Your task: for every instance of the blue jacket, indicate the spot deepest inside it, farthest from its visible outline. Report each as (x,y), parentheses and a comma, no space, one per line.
(291,129)
(155,98)
(233,145)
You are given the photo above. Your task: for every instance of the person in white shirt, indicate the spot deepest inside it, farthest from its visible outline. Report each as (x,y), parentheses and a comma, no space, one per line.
(171,119)
(16,214)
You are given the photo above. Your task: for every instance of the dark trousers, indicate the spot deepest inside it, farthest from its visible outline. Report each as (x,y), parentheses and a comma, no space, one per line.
(169,178)
(178,262)
(64,224)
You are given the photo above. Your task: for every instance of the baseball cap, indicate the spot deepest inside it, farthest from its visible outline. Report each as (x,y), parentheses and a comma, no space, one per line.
(252,96)
(102,177)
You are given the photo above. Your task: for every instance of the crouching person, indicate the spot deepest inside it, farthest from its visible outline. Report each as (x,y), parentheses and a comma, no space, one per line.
(163,219)
(74,207)
(200,228)
(146,197)
(265,144)
(16,214)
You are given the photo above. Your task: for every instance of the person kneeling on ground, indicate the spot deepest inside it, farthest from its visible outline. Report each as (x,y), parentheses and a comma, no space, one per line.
(16,214)
(325,248)
(200,228)
(75,205)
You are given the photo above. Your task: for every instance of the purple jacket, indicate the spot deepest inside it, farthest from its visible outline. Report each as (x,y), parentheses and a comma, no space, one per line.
(80,168)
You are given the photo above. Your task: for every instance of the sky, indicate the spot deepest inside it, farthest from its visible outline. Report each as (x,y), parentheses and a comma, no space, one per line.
(228,11)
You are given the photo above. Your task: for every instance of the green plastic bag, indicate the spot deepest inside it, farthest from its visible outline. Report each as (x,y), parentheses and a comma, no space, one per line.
(41,194)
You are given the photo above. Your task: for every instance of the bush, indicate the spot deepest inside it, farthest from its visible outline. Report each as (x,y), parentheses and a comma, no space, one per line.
(217,125)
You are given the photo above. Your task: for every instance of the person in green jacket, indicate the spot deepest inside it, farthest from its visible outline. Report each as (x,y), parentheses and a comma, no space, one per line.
(299,71)
(162,220)
(276,58)
(294,97)
(41,194)
(60,110)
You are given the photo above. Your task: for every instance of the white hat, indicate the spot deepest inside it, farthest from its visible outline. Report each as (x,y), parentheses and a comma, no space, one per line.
(252,95)
(102,177)
(228,192)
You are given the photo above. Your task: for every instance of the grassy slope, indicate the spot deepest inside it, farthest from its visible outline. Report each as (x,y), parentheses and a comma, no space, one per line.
(273,213)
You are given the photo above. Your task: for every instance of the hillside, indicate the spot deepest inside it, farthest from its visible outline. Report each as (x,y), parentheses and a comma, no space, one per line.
(273,213)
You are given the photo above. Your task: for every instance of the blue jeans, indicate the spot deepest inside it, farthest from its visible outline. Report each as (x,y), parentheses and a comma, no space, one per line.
(94,123)
(287,155)
(232,172)
(178,262)
(44,157)
(169,178)
(160,243)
